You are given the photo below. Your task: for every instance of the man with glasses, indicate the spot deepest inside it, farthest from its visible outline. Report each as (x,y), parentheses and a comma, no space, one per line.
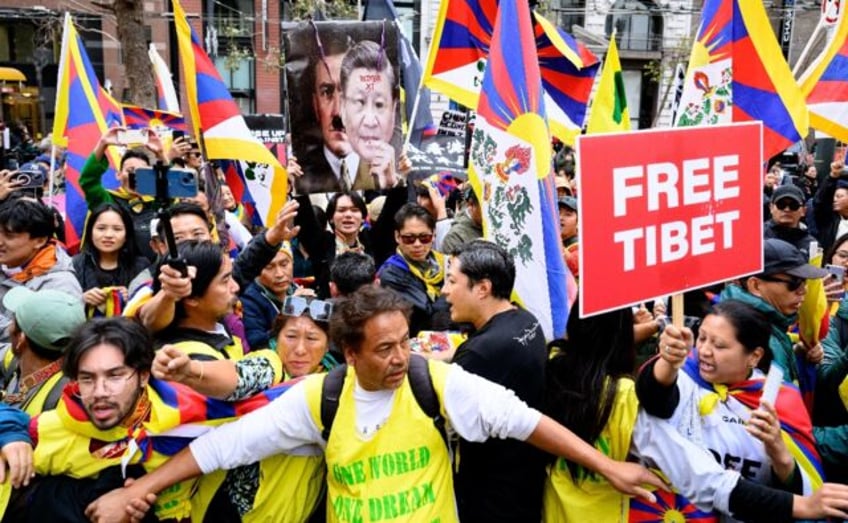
(387,459)
(416,271)
(787,210)
(778,292)
(113,421)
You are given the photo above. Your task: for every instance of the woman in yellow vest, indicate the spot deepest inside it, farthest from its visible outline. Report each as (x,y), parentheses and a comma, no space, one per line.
(286,487)
(590,390)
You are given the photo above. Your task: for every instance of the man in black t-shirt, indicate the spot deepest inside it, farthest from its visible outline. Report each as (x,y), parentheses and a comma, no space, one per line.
(499,480)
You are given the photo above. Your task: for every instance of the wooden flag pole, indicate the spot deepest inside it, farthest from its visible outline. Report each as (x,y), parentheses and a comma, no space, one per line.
(807,48)
(677,310)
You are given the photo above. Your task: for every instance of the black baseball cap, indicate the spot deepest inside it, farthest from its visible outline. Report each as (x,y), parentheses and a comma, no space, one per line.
(788,191)
(780,256)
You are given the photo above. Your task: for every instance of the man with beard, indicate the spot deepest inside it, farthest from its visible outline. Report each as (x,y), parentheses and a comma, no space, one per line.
(386,458)
(111,417)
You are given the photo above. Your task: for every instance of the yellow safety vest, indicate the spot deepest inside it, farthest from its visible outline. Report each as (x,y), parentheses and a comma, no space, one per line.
(289,487)
(592,498)
(400,473)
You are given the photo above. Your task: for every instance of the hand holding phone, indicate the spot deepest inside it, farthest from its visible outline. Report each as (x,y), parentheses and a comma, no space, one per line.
(838,272)
(132,136)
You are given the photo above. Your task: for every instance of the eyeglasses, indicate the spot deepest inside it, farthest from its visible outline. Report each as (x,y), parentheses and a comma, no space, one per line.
(112,383)
(196,154)
(793,283)
(787,203)
(409,239)
(319,310)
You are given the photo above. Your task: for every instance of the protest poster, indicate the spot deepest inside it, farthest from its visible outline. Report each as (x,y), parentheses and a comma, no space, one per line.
(663,211)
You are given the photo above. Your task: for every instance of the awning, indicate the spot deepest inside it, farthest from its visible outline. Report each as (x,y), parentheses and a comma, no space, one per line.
(10,74)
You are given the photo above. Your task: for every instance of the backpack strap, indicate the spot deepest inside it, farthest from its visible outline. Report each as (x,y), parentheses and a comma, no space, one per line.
(421,384)
(55,394)
(331,390)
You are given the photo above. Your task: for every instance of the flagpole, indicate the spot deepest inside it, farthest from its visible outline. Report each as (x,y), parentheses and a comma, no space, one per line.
(50,175)
(807,48)
(414,115)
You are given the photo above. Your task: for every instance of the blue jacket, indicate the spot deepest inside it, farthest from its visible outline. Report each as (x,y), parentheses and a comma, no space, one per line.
(261,308)
(14,425)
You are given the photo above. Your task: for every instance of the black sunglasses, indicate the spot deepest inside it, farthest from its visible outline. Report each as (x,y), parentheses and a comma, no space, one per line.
(318,310)
(787,203)
(793,283)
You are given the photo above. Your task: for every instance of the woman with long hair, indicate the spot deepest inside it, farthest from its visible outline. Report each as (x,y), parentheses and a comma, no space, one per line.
(590,390)
(108,260)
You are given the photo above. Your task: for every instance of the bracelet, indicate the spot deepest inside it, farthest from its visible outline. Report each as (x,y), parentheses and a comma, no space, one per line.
(200,377)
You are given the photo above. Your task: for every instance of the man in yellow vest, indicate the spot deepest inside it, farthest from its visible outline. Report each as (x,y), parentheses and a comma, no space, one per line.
(385,457)
(112,422)
(42,324)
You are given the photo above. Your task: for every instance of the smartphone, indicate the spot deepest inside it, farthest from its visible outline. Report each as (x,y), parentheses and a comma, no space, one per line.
(176,134)
(181,183)
(132,136)
(837,271)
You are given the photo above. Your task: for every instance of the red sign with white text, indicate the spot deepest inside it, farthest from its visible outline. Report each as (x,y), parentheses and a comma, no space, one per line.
(665,211)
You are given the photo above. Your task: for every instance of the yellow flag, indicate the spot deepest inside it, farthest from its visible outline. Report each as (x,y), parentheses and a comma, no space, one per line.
(609,109)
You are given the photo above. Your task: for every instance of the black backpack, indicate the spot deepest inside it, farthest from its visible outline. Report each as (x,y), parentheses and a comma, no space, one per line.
(420,382)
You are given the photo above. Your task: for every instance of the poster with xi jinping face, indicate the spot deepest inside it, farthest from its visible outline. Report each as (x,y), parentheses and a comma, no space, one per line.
(343,88)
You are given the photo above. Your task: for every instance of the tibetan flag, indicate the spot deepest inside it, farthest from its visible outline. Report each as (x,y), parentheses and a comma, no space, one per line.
(737,73)
(609,107)
(166,95)
(140,118)
(670,506)
(510,169)
(217,120)
(84,111)
(460,48)
(825,85)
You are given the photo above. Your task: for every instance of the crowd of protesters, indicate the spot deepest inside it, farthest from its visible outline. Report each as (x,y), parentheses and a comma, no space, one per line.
(363,361)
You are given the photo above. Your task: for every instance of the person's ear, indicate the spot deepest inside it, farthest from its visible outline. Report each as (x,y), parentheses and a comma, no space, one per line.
(144,378)
(752,285)
(755,357)
(350,356)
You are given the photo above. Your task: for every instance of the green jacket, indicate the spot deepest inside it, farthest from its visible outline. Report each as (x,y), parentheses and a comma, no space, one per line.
(779,343)
(141,209)
(830,417)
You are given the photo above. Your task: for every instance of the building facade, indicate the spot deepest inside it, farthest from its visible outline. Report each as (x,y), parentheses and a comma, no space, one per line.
(243,38)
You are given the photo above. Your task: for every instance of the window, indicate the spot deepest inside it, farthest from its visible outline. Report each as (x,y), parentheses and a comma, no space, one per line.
(571,13)
(234,22)
(637,23)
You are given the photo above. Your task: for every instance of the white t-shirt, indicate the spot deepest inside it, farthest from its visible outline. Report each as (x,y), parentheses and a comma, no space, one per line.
(476,409)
